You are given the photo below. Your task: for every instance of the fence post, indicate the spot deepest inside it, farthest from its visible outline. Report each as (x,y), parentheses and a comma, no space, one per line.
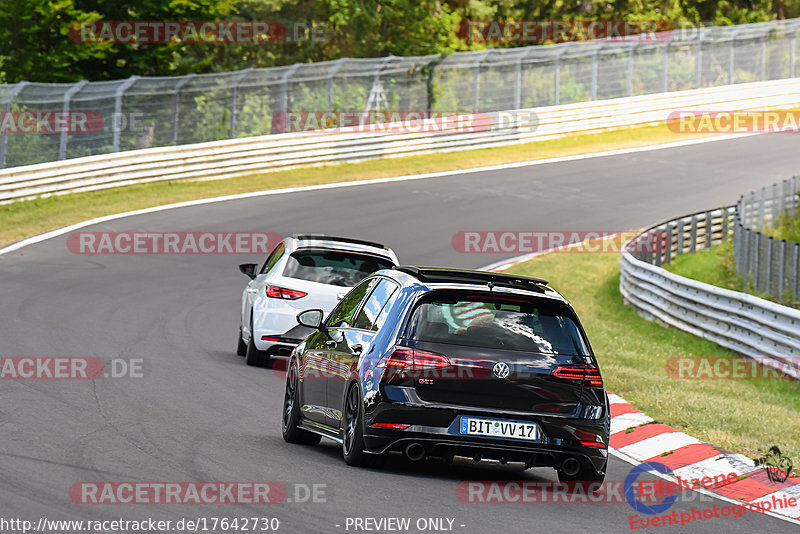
(518,85)
(429,87)
(768,274)
(630,70)
(732,58)
(795,296)
(593,86)
(176,105)
(756,247)
(557,73)
(285,87)
(62,142)
(476,81)
(665,66)
(234,97)
(781,259)
(791,56)
(693,235)
(680,228)
(7,98)
(118,110)
(668,251)
(338,64)
(725,216)
(746,263)
(763,57)
(699,59)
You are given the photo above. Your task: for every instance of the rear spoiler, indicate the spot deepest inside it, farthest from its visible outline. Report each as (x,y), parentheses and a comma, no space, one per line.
(322,237)
(444,275)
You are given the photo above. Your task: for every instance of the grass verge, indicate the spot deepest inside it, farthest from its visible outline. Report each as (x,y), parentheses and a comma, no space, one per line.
(743,415)
(23,219)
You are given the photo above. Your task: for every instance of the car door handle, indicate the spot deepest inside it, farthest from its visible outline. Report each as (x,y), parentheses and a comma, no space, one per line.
(330,343)
(357,348)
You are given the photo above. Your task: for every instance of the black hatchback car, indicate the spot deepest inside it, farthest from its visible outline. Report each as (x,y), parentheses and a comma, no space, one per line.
(446,363)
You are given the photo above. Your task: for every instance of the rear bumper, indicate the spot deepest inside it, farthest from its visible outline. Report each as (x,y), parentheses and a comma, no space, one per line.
(437,430)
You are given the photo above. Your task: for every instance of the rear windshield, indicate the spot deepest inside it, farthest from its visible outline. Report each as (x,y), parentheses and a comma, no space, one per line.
(497,322)
(334,268)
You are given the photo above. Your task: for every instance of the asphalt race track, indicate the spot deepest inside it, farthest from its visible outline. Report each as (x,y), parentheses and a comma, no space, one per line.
(200,414)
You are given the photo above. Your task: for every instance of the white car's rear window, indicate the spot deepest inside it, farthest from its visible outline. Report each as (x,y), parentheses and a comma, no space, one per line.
(332,267)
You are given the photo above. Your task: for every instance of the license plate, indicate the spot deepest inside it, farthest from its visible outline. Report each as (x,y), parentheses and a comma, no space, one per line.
(494,428)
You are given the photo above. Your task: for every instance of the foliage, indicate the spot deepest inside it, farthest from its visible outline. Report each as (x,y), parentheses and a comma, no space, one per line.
(35,43)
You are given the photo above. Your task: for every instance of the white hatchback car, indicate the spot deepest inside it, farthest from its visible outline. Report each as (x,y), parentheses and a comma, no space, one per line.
(302,272)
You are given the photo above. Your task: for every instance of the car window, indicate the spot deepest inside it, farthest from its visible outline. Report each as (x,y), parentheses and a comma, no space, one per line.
(369,316)
(342,315)
(498,322)
(333,267)
(273,258)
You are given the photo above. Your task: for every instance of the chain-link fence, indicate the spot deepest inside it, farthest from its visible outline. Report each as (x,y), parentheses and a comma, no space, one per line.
(769,265)
(46,122)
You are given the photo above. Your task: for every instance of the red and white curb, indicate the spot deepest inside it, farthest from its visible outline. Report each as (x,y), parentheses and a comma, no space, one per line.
(637,439)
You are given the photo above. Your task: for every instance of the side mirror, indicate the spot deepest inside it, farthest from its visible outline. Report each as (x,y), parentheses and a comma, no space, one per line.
(248,269)
(310,319)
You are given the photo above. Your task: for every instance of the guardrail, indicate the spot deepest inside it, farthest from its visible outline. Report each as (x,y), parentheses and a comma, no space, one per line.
(769,265)
(238,157)
(754,327)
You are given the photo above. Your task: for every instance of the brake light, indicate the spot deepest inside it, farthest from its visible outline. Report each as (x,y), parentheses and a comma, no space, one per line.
(590,373)
(275,292)
(397,426)
(408,358)
(593,444)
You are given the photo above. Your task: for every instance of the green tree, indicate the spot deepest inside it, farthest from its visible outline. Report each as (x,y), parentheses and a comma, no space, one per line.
(34,41)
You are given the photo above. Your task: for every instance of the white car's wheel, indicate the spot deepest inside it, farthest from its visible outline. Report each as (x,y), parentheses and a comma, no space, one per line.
(241,347)
(253,356)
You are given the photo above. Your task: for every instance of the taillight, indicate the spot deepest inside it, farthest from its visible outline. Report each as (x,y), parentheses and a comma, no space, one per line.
(275,292)
(411,359)
(589,373)
(597,444)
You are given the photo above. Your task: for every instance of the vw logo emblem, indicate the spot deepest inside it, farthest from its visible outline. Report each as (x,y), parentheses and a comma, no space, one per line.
(501,370)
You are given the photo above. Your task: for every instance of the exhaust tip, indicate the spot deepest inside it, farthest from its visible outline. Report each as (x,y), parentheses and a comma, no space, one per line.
(415,451)
(570,467)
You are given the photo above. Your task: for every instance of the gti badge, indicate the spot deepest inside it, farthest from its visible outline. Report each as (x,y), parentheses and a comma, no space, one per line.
(501,370)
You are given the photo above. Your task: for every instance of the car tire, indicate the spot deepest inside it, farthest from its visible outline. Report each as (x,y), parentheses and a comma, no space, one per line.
(353,431)
(291,412)
(253,356)
(587,473)
(241,347)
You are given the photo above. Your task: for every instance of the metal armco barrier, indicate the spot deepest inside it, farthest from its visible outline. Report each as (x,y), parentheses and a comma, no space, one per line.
(754,327)
(238,157)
